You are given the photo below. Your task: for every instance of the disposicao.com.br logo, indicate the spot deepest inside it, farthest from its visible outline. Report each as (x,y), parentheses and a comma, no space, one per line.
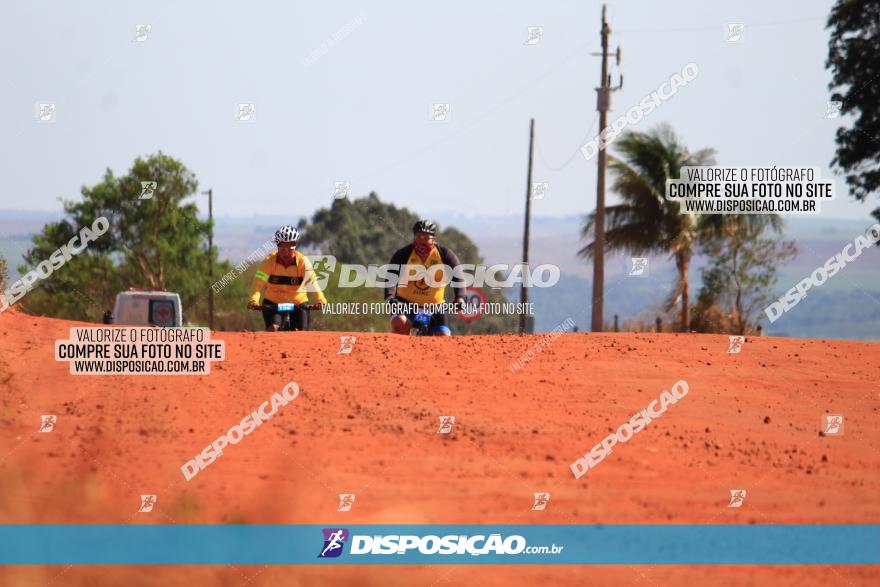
(334,540)
(352,275)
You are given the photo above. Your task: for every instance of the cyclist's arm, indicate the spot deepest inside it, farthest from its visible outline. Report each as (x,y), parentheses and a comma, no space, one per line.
(398,260)
(448,257)
(309,279)
(261,278)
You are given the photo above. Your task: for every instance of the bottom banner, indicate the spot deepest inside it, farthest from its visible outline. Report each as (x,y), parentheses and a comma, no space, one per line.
(672,544)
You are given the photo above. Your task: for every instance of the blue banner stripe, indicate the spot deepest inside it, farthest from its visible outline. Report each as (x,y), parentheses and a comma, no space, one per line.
(781,544)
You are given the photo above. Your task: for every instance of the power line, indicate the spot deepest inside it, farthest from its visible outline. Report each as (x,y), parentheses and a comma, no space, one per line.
(530,85)
(715,27)
(576,152)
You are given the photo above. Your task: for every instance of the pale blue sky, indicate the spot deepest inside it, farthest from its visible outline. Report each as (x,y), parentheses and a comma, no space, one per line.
(361,111)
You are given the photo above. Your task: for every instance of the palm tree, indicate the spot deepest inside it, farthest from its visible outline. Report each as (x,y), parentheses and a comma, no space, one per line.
(645,222)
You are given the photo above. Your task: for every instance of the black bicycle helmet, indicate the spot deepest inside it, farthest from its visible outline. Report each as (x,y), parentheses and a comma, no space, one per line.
(425,226)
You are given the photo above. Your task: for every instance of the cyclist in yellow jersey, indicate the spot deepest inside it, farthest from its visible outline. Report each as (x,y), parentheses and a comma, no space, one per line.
(425,251)
(285,277)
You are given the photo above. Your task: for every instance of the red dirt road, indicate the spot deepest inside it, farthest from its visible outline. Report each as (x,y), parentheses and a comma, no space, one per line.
(366,423)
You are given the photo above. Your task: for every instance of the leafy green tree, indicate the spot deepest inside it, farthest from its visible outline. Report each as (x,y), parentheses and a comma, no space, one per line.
(156,242)
(740,275)
(645,222)
(854,60)
(362,231)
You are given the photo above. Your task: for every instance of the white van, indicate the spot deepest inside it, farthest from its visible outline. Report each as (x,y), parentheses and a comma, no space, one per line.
(147,308)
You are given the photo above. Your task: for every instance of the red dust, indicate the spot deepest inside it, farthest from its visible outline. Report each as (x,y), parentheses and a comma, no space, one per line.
(366,423)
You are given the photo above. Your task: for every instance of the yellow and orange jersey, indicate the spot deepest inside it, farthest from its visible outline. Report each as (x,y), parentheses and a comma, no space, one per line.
(421,292)
(285,285)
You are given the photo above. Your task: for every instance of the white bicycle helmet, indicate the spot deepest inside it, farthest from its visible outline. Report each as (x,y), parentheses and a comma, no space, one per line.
(286,234)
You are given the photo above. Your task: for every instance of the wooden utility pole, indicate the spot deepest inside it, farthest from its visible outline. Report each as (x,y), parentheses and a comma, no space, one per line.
(603,105)
(210,193)
(523,290)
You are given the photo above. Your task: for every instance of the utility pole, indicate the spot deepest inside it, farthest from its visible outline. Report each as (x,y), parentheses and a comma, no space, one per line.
(523,290)
(603,104)
(210,193)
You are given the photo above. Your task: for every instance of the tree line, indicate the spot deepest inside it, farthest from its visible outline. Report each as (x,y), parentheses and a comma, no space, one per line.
(159,242)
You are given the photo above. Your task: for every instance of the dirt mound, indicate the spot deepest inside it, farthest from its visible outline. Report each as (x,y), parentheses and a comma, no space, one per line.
(366,423)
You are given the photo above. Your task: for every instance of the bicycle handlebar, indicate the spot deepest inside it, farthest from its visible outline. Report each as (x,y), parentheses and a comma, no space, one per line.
(274,308)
